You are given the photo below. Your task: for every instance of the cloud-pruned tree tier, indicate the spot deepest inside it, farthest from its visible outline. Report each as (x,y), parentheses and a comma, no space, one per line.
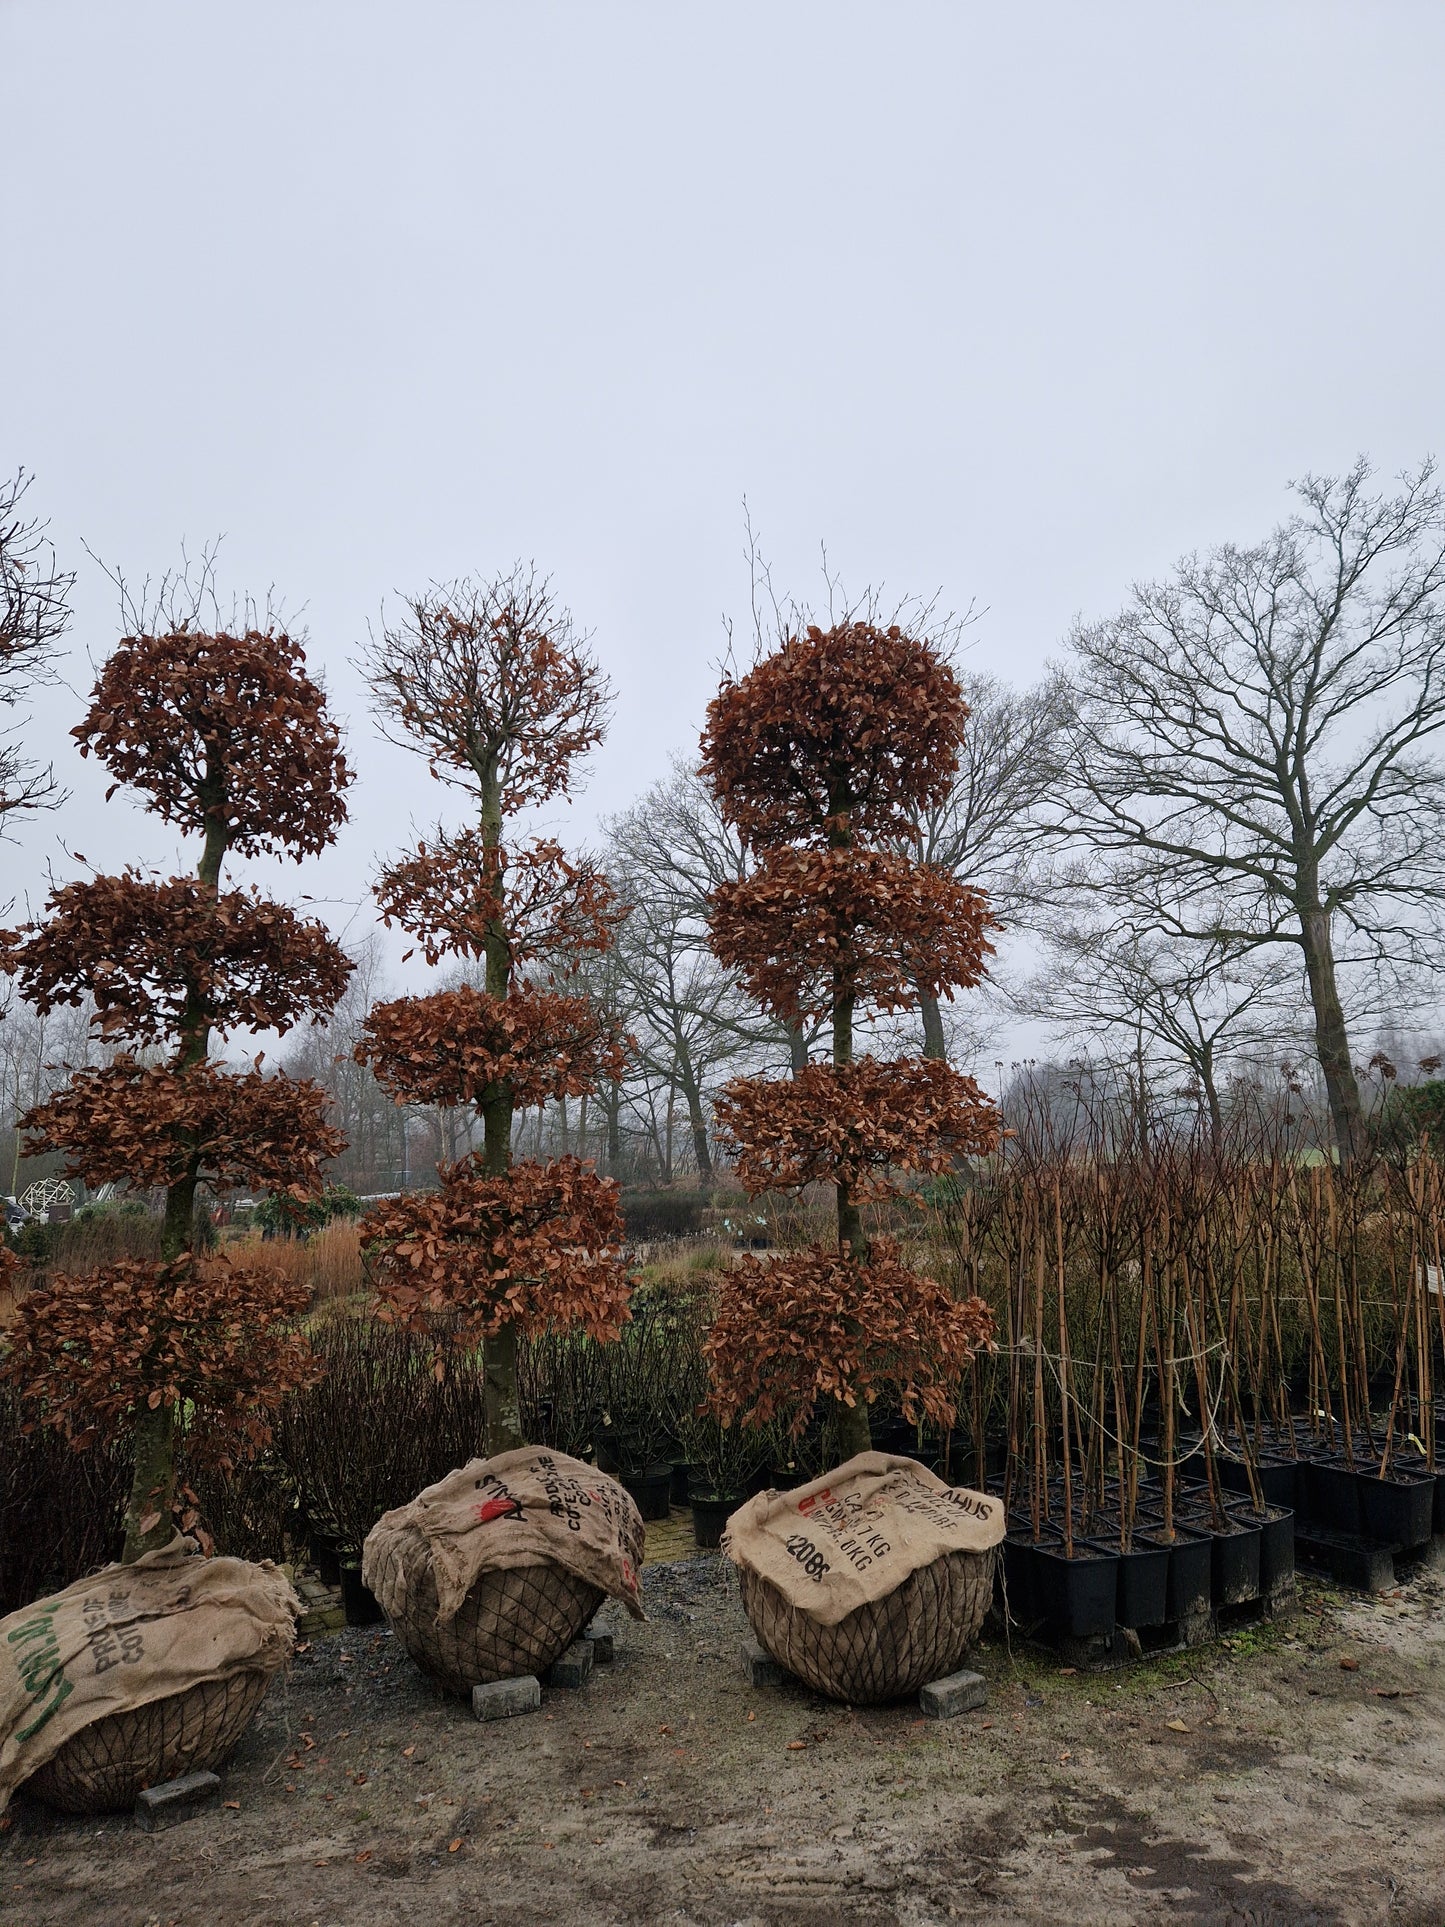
(834,743)
(227,737)
(490,684)
(539,1245)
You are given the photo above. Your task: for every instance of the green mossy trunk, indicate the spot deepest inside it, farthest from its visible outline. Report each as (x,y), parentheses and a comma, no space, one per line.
(499,1353)
(854,1434)
(148,1513)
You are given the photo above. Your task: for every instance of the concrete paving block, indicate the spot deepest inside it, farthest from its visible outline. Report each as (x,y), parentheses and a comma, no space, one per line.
(603,1649)
(175,1800)
(760,1668)
(574,1667)
(503,1699)
(944,1699)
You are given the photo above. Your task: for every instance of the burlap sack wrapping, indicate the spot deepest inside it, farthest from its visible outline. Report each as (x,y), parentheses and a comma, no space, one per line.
(494,1571)
(84,1672)
(870,1581)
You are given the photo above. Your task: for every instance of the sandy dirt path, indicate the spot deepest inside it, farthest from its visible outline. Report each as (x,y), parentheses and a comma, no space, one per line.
(1262,1781)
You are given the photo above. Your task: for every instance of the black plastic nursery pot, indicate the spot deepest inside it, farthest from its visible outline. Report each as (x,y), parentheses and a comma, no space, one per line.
(1190,1582)
(1076,1595)
(1276,1477)
(358,1601)
(1234,1570)
(681,1477)
(786,1478)
(1332,1496)
(613,1448)
(1438,1522)
(710,1514)
(1276,1547)
(325,1553)
(1397,1510)
(1143,1595)
(651,1489)
(1015,1575)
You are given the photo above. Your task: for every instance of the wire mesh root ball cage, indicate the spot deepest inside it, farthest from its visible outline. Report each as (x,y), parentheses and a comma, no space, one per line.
(511,1622)
(103,1767)
(883,1650)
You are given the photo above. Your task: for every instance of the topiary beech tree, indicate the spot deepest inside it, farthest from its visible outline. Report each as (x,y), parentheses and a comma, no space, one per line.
(823,757)
(227,737)
(491,686)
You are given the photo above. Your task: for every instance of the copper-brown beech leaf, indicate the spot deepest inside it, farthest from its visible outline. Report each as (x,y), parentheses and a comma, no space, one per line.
(222,730)
(539,1246)
(157,1125)
(853,1124)
(454,1046)
(809,924)
(456,893)
(153,955)
(220,1340)
(852,727)
(810,1325)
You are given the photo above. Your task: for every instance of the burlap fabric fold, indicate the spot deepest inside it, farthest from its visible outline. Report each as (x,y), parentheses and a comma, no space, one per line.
(90,1659)
(494,1515)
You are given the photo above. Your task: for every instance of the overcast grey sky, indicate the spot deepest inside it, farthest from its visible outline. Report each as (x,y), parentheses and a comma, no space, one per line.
(1013,302)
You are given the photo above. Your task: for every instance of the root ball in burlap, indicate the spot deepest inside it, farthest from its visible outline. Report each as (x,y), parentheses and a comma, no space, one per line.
(137,1674)
(870,1581)
(494,1571)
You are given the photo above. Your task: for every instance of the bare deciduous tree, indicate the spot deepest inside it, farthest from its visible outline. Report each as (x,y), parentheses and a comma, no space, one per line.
(1144,994)
(34,615)
(1251,746)
(991,830)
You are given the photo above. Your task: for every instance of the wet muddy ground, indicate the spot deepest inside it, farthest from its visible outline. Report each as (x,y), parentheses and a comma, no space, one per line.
(1296,1774)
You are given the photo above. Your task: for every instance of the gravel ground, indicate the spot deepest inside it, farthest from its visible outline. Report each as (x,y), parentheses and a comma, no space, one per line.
(1296,1774)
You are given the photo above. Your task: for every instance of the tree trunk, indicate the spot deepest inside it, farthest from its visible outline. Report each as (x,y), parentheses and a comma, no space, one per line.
(798,1047)
(697,1123)
(1211,1097)
(1332,1042)
(499,1367)
(148,1521)
(853,1431)
(934,1043)
(614,1128)
(499,1352)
